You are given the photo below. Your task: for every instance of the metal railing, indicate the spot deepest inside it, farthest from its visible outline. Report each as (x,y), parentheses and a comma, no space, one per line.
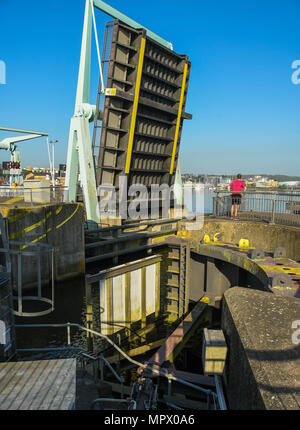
(84,357)
(33,250)
(98,362)
(33,195)
(116,235)
(212,397)
(274,207)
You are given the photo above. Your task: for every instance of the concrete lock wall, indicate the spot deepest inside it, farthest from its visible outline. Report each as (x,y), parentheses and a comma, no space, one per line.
(260,235)
(263,362)
(59,225)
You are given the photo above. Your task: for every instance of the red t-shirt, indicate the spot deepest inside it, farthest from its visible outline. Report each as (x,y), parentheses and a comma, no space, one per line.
(237,186)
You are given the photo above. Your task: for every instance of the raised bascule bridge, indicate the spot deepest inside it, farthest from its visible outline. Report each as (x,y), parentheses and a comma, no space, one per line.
(102,311)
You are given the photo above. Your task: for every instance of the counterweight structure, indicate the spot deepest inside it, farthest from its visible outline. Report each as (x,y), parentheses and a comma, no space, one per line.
(141,124)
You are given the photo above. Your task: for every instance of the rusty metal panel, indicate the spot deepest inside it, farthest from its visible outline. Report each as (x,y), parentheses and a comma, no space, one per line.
(110,285)
(135,295)
(150,289)
(118,301)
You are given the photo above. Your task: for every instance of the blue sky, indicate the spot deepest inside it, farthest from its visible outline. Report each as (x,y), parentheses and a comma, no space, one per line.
(245,107)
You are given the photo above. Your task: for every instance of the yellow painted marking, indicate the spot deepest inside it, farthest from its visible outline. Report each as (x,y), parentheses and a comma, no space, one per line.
(11,201)
(58,210)
(4,212)
(281,269)
(206,239)
(135,105)
(49,229)
(19,216)
(32,227)
(37,239)
(66,220)
(110,91)
(178,118)
(282,288)
(216,237)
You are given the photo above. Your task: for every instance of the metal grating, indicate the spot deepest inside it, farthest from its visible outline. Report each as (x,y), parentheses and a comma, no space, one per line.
(141,125)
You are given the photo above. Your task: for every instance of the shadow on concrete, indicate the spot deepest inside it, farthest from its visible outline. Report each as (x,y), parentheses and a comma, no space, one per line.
(274,355)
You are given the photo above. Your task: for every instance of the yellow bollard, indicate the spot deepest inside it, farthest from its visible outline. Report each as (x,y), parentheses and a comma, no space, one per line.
(244,243)
(205,300)
(217,237)
(206,238)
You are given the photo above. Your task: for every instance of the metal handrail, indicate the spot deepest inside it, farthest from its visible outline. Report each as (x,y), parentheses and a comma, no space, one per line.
(21,188)
(119,378)
(39,249)
(103,360)
(220,393)
(136,225)
(127,237)
(158,372)
(272,206)
(258,191)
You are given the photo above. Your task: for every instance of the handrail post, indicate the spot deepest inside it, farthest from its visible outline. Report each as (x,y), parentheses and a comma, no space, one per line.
(208,402)
(273,210)
(169,389)
(69,334)
(101,368)
(122,388)
(216,204)
(95,371)
(20,304)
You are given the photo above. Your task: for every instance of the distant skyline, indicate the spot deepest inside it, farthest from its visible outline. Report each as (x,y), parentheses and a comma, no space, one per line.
(244,103)
(267,175)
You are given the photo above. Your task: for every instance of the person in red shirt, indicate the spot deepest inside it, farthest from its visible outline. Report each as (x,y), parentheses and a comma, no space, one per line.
(236,187)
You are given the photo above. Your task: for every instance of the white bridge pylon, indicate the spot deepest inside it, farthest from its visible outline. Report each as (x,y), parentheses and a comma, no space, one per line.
(80,153)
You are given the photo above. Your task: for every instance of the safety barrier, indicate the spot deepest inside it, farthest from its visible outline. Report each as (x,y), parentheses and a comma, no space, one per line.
(37,251)
(275,207)
(32,195)
(213,399)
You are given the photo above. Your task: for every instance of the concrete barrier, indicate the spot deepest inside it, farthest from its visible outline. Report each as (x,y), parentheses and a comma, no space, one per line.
(263,362)
(59,225)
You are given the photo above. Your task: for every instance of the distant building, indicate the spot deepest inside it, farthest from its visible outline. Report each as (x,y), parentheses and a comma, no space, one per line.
(62,170)
(273,183)
(5,166)
(290,183)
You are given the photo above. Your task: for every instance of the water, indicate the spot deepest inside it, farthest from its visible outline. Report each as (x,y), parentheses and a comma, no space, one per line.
(69,307)
(203,202)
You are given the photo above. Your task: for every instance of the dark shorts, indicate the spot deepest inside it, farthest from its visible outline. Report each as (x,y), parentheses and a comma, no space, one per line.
(236,199)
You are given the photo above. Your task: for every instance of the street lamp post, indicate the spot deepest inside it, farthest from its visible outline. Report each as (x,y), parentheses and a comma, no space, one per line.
(52,164)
